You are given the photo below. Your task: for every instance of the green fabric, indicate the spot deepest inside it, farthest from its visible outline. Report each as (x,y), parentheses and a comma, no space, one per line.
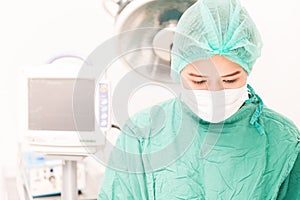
(175,156)
(215,27)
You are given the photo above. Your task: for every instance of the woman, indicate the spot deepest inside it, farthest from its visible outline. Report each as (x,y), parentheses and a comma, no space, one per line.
(218,140)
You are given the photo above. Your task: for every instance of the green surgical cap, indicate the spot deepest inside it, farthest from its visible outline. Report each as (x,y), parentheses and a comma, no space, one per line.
(215,27)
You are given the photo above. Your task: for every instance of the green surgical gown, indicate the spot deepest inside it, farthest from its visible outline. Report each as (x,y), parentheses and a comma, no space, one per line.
(167,152)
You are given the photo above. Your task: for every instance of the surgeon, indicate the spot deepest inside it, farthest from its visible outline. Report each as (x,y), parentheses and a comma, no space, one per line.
(217,140)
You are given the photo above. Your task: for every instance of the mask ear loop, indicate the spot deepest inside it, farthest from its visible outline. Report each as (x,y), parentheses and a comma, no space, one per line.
(258,111)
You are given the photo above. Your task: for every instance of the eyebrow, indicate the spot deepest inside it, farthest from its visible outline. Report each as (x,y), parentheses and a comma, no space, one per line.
(197,75)
(202,76)
(232,74)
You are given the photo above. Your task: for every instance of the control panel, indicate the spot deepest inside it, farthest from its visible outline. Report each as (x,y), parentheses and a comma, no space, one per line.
(104,106)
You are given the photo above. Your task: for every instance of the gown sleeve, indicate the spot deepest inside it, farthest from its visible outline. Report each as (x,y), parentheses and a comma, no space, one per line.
(290,188)
(124,178)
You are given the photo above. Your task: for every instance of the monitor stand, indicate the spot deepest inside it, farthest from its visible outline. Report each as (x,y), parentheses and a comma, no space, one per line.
(69,189)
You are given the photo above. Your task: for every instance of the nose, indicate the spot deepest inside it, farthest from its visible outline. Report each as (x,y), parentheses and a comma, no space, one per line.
(215,84)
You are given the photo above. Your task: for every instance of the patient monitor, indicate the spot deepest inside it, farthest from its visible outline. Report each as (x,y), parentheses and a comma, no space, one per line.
(61,111)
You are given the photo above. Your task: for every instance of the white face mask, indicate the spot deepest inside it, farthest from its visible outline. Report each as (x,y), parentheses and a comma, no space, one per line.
(215,106)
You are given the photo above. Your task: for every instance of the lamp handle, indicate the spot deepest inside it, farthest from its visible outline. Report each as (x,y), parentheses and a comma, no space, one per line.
(61,56)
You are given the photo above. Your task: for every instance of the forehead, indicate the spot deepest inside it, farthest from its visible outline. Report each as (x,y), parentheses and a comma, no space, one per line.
(215,66)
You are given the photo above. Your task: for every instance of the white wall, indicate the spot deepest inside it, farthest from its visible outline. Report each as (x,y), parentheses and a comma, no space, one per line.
(276,74)
(32,31)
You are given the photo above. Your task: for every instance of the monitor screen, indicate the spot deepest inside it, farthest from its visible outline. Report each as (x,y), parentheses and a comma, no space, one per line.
(50,104)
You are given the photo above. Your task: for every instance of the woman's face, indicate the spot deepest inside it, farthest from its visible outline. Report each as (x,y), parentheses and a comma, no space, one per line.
(217,73)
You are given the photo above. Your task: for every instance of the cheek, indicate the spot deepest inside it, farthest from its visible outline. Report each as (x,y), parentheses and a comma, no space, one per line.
(190,85)
(243,80)
(240,82)
(185,82)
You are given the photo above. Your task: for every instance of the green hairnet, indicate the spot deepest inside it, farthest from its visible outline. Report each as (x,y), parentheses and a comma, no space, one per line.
(215,27)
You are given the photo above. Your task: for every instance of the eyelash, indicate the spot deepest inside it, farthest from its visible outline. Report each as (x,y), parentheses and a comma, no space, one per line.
(202,82)
(199,82)
(229,81)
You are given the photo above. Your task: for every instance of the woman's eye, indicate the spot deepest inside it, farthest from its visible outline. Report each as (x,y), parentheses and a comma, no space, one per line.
(199,82)
(229,81)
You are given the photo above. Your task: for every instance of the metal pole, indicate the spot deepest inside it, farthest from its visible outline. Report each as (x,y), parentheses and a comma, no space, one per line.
(69,182)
